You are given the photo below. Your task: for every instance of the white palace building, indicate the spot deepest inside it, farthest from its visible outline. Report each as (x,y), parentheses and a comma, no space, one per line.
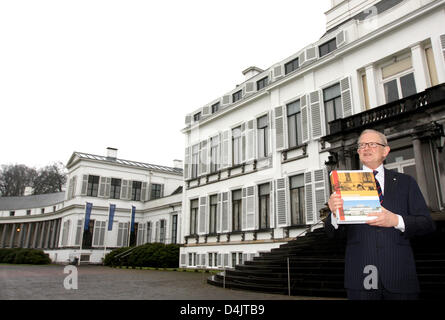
(257,159)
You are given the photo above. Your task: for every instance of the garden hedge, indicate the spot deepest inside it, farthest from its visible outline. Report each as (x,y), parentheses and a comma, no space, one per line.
(23,256)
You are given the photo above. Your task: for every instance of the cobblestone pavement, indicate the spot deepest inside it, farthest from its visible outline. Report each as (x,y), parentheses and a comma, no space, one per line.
(25,282)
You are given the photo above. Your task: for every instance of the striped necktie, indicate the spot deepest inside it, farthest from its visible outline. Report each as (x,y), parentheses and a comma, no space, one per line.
(379,189)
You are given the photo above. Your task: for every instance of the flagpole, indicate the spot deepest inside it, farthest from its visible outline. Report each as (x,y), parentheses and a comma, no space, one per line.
(81,238)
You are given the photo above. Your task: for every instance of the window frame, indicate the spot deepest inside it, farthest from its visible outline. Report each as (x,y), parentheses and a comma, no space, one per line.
(291,65)
(327,43)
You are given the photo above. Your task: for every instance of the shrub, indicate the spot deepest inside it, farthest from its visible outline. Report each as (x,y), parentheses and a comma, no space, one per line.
(24,256)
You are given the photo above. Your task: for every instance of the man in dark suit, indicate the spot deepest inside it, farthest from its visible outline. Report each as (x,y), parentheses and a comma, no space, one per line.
(379,262)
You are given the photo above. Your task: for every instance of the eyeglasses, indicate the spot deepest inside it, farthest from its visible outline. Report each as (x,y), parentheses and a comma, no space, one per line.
(373,145)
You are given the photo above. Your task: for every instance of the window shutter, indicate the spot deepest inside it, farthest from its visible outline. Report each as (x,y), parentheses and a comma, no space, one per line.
(202,214)
(345,85)
(225,100)
(243,142)
(316,114)
(162,190)
(188,120)
(305,131)
(73,193)
(144,191)
(102,182)
(277,72)
(249,87)
(226,259)
(183,260)
(83,192)
(205,112)
(311,54)
(107,187)
(320,191)
(218,213)
(272,205)
(157,232)
(130,189)
(302,58)
(187,160)
(70,189)
(124,189)
(203,158)
(340,38)
(248,208)
(250,140)
(225,212)
(309,197)
(280,140)
(442,43)
(226,154)
(281,202)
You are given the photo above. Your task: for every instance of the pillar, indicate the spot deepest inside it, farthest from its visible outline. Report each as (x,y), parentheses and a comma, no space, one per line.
(421,74)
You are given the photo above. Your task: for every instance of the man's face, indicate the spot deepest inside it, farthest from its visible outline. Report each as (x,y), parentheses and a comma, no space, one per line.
(372,157)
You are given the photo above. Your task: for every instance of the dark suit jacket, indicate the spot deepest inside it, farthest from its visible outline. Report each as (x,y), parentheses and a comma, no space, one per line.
(388,249)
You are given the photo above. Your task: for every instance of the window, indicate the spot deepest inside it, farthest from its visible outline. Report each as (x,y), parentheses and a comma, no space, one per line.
(264,202)
(297,199)
(212,259)
(236,210)
(237,96)
(237,146)
(149,232)
(214,154)
(28,212)
(42,211)
(78,232)
(193,216)
(99,233)
(263,136)
(65,232)
(398,80)
(212,214)
(215,107)
(136,191)
(327,47)
(260,84)
(291,66)
(294,124)
(195,160)
(174,228)
(11,213)
(115,190)
(122,234)
(155,191)
(197,116)
(93,186)
(162,228)
(332,104)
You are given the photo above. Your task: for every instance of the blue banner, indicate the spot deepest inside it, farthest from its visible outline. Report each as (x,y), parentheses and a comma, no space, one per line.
(133,212)
(88,208)
(111,217)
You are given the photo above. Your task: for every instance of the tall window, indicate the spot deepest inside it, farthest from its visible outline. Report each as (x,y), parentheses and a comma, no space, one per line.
(294,124)
(213,215)
(236,96)
(93,186)
(327,47)
(195,160)
(236,210)
(332,104)
(149,237)
(291,66)
(398,80)
(263,136)
(136,191)
(297,199)
(99,233)
(162,228)
(115,190)
(264,202)
(237,146)
(214,154)
(193,217)
(122,234)
(155,192)
(174,228)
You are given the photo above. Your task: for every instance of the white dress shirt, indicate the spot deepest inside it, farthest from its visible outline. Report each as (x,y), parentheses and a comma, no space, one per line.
(380,176)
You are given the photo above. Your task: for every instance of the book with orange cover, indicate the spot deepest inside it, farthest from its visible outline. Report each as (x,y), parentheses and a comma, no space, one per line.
(358,190)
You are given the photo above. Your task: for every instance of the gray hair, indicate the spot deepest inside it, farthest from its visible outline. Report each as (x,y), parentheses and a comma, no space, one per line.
(381,135)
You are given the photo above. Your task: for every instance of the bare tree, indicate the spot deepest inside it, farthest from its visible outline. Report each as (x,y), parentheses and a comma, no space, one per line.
(50,179)
(14,178)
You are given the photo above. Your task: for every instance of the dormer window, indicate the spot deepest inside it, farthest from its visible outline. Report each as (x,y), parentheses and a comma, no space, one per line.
(215,107)
(291,66)
(237,96)
(260,84)
(327,47)
(197,116)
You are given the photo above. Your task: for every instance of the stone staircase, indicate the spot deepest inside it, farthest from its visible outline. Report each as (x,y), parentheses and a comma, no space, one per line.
(316,266)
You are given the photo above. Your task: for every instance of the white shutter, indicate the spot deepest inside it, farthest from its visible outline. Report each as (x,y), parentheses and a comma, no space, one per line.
(309,197)
(302,58)
(340,38)
(188,120)
(280,134)
(281,202)
(203,158)
(107,187)
(183,260)
(83,192)
(130,189)
(272,205)
(187,161)
(250,140)
(124,189)
(311,54)
(205,111)
(219,213)
(346,97)
(225,212)
(225,100)
(144,191)
(248,208)
(316,114)
(202,214)
(277,72)
(305,129)
(442,44)
(102,182)
(249,87)
(243,142)
(226,154)
(320,191)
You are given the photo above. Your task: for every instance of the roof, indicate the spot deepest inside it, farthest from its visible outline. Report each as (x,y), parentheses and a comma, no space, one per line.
(130,163)
(29,202)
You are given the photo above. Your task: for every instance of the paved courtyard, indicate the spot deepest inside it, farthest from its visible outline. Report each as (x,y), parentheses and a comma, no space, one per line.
(26,282)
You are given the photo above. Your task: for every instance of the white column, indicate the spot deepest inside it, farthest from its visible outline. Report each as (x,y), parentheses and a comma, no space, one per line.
(421,75)
(372,85)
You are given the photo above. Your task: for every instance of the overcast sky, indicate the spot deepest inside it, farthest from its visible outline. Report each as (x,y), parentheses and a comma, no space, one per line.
(87,75)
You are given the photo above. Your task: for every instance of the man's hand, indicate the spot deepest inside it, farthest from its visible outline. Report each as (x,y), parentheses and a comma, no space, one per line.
(384,219)
(335,202)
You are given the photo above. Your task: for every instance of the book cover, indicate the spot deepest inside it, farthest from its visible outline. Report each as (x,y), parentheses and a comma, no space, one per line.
(358,190)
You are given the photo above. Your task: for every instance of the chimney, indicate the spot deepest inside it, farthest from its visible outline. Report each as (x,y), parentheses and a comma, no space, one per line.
(177,164)
(111,153)
(251,72)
